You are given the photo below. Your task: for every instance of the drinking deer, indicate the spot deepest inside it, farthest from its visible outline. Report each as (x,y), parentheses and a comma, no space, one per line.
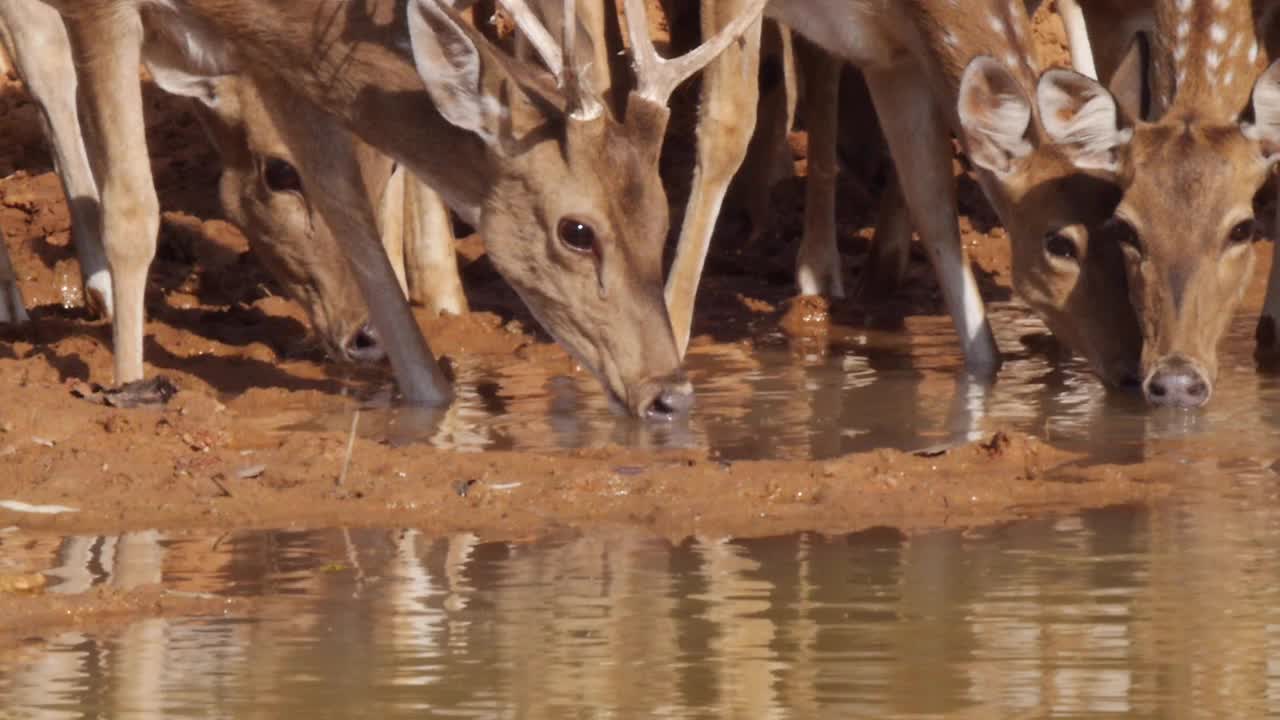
(261,192)
(1186,219)
(928,62)
(566,196)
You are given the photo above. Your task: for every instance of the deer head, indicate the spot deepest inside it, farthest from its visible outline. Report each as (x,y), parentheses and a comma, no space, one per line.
(262,193)
(1063,267)
(575,216)
(1185,221)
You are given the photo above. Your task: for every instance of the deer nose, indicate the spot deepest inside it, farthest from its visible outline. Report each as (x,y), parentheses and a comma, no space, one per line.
(363,346)
(1177,383)
(668,398)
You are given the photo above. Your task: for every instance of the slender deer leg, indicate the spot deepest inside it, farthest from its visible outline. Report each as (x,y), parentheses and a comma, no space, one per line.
(430,260)
(12,309)
(921,150)
(107,49)
(393,224)
(1268,333)
(37,41)
(726,121)
(768,158)
(333,185)
(819,270)
(890,253)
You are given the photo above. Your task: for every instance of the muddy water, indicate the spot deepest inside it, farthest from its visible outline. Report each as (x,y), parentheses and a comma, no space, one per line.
(861,390)
(1166,612)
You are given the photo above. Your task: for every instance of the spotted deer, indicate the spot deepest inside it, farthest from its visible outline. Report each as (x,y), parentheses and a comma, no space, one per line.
(566,195)
(818,266)
(932,67)
(261,192)
(1185,220)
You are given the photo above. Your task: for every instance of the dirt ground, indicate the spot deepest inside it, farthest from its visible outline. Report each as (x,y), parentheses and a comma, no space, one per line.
(237,350)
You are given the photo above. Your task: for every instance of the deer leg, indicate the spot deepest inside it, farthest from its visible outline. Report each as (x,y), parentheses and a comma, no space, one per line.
(890,254)
(921,151)
(819,270)
(334,184)
(37,41)
(393,223)
(1268,333)
(726,121)
(12,309)
(107,51)
(430,259)
(768,158)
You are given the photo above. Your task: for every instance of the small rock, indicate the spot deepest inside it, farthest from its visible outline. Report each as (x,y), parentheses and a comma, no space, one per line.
(32,583)
(251,472)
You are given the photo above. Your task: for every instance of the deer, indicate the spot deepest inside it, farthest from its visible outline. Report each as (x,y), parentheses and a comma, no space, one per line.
(260,192)
(566,194)
(1106,28)
(1188,179)
(263,194)
(932,66)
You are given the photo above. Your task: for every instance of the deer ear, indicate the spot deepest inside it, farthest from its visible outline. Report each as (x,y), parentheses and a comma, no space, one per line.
(994,115)
(1082,119)
(1265,128)
(451,65)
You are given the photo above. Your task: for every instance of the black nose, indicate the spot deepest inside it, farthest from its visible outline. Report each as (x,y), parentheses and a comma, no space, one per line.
(670,399)
(1177,383)
(364,346)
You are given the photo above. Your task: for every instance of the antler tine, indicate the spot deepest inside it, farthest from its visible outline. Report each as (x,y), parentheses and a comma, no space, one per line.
(657,77)
(538,36)
(583,103)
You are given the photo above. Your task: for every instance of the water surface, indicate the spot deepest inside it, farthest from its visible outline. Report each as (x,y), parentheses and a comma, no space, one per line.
(905,390)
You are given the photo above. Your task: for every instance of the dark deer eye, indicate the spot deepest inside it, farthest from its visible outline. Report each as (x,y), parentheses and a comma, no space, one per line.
(1243,232)
(281,176)
(1061,246)
(577,235)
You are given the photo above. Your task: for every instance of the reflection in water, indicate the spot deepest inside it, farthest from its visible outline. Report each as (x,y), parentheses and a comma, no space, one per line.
(905,390)
(1166,612)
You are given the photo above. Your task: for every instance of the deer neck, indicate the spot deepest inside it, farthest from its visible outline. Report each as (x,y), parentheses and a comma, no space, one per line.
(354,60)
(1205,60)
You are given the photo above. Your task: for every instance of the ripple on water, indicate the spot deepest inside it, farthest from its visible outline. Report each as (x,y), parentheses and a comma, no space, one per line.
(867,390)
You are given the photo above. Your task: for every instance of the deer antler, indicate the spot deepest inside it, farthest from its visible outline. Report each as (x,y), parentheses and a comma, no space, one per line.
(658,77)
(582,101)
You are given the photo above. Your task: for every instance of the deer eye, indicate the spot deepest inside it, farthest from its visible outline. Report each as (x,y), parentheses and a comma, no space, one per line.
(1060,246)
(1243,232)
(577,235)
(281,176)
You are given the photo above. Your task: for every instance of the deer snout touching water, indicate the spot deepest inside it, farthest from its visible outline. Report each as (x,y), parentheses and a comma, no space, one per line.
(1188,179)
